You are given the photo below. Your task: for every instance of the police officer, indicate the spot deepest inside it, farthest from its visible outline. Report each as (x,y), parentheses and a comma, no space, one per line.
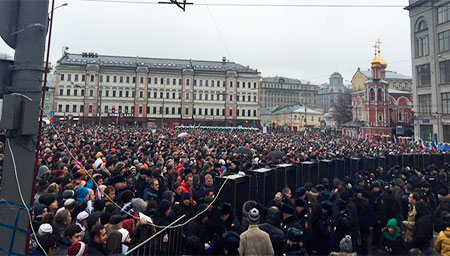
(305,220)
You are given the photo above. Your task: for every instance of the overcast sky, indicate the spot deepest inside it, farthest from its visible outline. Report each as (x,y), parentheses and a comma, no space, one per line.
(307,43)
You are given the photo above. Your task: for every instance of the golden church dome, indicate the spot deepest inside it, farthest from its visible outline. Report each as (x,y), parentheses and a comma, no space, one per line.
(379,60)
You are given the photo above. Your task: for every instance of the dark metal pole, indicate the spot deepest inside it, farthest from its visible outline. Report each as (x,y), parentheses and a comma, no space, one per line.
(32,22)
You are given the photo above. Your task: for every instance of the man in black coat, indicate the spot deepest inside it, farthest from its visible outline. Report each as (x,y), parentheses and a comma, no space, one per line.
(326,228)
(228,221)
(272,227)
(364,218)
(304,217)
(97,241)
(378,204)
(343,224)
(289,218)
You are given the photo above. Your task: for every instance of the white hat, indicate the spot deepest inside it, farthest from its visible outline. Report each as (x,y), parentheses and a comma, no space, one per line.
(44,229)
(82,216)
(69,203)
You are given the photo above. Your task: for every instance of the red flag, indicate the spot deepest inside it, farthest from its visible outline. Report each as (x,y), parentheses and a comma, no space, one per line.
(173,129)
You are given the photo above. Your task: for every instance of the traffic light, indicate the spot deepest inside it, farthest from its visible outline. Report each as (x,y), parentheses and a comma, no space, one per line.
(246,121)
(114,109)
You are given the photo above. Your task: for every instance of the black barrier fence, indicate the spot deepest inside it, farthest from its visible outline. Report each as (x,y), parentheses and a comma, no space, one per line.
(262,184)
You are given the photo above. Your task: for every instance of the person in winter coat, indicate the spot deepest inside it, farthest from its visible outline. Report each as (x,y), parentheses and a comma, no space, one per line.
(294,243)
(345,247)
(326,228)
(186,208)
(343,224)
(254,241)
(444,207)
(228,221)
(71,235)
(442,244)
(230,243)
(409,224)
(391,241)
(272,227)
(423,229)
(364,218)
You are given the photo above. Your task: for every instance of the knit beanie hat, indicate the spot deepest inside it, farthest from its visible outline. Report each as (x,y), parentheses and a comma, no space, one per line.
(186,196)
(139,205)
(164,205)
(346,244)
(47,199)
(81,193)
(77,249)
(230,240)
(392,223)
(45,229)
(253,216)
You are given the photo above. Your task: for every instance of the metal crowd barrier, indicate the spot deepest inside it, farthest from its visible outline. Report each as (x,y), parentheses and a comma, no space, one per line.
(167,241)
(262,184)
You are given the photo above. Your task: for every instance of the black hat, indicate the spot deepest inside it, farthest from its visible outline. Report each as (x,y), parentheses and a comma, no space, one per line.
(326,205)
(230,241)
(145,171)
(376,184)
(118,179)
(320,188)
(186,196)
(425,185)
(164,205)
(300,191)
(93,218)
(115,219)
(193,246)
(358,189)
(224,208)
(301,203)
(294,235)
(47,199)
(341,205)
(68,194)
(99,205)
(442,192)
(288,209)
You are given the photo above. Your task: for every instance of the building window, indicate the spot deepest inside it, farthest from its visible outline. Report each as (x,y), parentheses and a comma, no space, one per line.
(61,77)
(422,48)
(120,94)
(59,108)
(206,82)
(107,93)
(446,129)
(141,80)
(127,94)
(167,95)
(173,95)
(206,96)
(426,132)
(180,82)
(148,110)
(443,16)
(91,93)
(186,111)
(201,82)
(425,104)
(212,83)
(179,111)
(200,111)
(90,108)
(81,108)
(107,79)
(92,78)
(400,116)
(69,77)
(162,80)
(75,92)
(224,83)
(444,41)
(231,84)
(141,94)
(128,79)
(126,109)
(173,110)
(148,96)
(372,94)
(154,110)
(231,97)
(444,72)
(61,92)
(134,80)
(155,95)
(187,95)
(423,75)
(161,95)
(254,85)
(82,92)
(68,92)
(115,79)
(195,82)
(121,79)
(223,112)
(76,78)
(231,112)
(140,109)
(188,82)
(445,98)
(254,112)
(380,95)
(106,109)
(174,82)
(114,93)
(83,78)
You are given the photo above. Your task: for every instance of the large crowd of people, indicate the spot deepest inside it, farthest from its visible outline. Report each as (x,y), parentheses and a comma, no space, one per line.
(96,185)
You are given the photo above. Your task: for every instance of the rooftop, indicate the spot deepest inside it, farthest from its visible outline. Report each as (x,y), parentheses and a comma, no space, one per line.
(296,109)
(282,79)
(390,75)
(152,63)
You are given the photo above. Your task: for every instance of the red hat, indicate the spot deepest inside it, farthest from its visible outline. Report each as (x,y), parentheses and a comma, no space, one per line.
(77,249)
(113,150)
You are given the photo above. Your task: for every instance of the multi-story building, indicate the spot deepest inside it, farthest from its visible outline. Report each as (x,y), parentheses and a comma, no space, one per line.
(296,118)
(156,91)
(379,111)
(329,94)
(430,45)
(283,91)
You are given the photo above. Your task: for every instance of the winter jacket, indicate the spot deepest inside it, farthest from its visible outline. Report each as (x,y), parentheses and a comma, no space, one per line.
(409,224)
(442,244)
(295,250)
(272,227)
(254,241)
(393,247)
(423,233)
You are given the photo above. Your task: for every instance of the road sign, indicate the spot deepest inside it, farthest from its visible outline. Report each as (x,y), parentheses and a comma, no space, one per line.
(52,113)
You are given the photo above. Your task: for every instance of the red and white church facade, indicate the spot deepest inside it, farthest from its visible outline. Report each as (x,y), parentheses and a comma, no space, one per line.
(379,111)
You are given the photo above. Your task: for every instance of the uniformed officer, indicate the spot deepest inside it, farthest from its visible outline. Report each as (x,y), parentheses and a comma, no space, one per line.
(305,220)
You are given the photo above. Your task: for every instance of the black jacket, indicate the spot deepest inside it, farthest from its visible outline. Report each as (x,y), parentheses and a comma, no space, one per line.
(423,232)
(96,250)
(272,227)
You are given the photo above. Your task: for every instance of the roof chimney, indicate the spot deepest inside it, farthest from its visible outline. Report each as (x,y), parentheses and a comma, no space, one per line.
(224,59)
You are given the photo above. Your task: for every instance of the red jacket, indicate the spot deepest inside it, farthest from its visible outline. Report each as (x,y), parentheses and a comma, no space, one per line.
(187,189)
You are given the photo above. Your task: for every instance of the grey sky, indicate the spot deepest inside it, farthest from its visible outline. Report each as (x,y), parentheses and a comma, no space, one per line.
(299,42)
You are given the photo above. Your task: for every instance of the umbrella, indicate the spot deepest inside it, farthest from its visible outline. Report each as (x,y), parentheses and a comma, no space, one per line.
(244,151)
(276,154)
(183,134)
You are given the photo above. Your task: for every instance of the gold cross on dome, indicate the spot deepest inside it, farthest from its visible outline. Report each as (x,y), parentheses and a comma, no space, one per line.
(379,45)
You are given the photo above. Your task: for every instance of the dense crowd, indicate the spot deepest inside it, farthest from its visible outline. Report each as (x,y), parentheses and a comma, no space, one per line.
(96,185)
